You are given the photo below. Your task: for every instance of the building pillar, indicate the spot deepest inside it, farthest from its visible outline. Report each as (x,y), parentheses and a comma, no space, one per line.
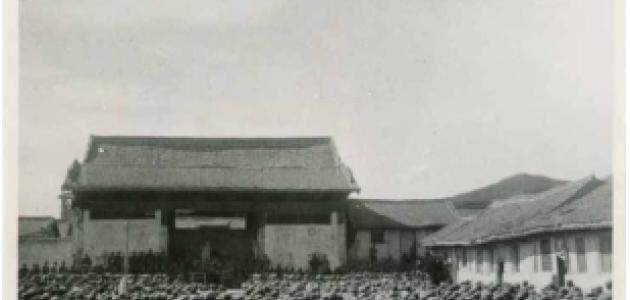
(260,234)
(162,231)
(85,236)
(126,257)
(338,227)
(76,221)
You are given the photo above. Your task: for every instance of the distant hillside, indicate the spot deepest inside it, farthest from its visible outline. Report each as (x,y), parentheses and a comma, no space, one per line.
(520,184)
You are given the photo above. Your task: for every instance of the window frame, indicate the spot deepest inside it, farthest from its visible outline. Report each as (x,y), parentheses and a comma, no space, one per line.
(478,260)
(535,256)
(377,233)
(516,258)
(490,260)
(546,261)
(464,257)
(580,252)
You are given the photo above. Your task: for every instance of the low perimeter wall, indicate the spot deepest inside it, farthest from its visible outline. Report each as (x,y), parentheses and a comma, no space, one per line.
(39,250)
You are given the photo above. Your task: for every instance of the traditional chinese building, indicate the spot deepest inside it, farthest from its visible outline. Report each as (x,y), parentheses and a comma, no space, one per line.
(282,197)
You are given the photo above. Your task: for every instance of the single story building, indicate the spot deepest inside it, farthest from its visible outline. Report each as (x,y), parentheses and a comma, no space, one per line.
(555,236)
(37,227)
(394,230)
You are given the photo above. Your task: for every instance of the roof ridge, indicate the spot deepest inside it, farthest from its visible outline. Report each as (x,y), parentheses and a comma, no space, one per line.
(172,137)
(586,188)
(36,217)
(196,162)
(205,167)
(488,226)
(392,200)
(453,210)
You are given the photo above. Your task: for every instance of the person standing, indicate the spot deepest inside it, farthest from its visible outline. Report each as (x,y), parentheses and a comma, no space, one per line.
(561,264)
(45,268)
(373,255)
(62,268)
(86,263)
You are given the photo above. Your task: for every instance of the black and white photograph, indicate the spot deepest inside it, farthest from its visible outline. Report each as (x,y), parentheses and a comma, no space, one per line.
(318,150)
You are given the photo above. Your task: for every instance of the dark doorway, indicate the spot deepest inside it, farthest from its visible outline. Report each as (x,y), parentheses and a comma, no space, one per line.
(227,238)
(225,244)
(500,269)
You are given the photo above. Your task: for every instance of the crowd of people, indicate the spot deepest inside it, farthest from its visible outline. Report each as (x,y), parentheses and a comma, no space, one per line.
(506,291)
(148,262)
(92,286)
(411,285)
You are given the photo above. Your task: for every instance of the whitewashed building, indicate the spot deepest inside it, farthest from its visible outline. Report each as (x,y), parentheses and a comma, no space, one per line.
(559,235)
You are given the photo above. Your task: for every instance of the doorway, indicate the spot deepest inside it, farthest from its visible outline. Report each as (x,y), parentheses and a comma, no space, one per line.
(500,269)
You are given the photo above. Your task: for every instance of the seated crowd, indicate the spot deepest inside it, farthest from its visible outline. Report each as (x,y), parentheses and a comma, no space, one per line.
(271,286)
(152,280)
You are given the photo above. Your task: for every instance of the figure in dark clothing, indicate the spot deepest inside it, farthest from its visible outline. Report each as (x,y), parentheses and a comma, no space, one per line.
(373,255)
(162,262)
(62,268)
(145,262)
(35,269)
(23,270)
(86,263)
(150,268)
(45,268)
(118,262)
(435,267)
(133,262)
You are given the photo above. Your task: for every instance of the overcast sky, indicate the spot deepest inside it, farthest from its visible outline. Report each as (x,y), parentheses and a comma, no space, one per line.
(424,98)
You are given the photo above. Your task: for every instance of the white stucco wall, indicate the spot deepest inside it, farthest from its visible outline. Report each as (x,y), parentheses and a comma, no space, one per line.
(289,245)
(594,276)
(390,248)
(530,266)
(107,235)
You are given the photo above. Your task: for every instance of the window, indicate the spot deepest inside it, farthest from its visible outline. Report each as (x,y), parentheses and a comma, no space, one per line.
(464,257)
(198,222)
(580,250)
(545,255)
(535,257)
(454,258)
(378,237)
(516,259)
(490,260)
(605,251)
(479,260)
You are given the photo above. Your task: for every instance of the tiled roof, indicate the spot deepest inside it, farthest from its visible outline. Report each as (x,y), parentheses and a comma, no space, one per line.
(586,202)
(400,213)
(175,163)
